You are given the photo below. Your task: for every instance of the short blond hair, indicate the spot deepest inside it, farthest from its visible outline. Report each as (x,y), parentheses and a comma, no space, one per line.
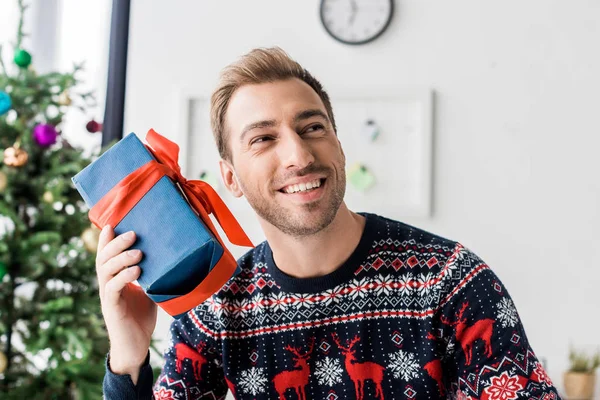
(262,65)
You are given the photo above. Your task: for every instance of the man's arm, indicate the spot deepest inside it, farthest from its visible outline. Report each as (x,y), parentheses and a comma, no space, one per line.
(487,354)
(192,360)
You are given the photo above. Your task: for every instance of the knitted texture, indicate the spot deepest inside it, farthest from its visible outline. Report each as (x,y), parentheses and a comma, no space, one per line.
(410,315)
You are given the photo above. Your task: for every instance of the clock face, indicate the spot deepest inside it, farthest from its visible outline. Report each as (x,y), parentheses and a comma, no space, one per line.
(356,21)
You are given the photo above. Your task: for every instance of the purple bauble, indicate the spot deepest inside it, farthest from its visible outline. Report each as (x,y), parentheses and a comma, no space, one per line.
(44,135)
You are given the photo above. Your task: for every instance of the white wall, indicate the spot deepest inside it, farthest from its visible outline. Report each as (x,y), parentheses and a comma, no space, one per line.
(516,134)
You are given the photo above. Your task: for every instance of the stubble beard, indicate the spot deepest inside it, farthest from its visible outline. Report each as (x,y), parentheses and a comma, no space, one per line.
(296,224)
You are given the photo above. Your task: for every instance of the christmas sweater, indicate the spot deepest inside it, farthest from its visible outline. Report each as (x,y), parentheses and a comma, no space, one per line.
(410,315)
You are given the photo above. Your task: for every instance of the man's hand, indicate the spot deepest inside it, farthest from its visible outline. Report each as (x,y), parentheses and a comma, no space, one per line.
(129,314)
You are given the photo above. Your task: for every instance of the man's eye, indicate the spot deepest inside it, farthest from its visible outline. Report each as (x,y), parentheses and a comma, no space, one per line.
(314,128)
(260,139)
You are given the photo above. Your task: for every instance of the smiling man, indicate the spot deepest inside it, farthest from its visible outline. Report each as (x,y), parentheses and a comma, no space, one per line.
(334,304)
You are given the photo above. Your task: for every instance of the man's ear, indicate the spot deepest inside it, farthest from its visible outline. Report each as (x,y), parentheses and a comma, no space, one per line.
(229,178)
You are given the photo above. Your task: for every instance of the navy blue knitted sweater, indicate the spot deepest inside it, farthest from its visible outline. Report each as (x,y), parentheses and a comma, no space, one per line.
(409,315)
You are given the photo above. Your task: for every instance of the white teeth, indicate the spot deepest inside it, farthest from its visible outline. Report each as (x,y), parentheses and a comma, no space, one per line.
(301,187)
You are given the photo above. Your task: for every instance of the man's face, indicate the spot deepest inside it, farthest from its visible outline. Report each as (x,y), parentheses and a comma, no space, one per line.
(286,157)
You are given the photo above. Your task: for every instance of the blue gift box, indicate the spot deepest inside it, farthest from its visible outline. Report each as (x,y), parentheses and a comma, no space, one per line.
(179,250)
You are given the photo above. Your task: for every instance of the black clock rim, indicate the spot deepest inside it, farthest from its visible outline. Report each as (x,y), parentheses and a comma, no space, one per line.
(372,38)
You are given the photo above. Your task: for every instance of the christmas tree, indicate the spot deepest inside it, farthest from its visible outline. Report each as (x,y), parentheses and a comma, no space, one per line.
(52,337)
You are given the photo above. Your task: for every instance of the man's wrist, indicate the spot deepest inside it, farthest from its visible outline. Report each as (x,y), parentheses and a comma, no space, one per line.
(118,367)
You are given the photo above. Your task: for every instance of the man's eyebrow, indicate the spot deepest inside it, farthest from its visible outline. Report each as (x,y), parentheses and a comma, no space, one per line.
(302,115)
(306,114)
(259,124)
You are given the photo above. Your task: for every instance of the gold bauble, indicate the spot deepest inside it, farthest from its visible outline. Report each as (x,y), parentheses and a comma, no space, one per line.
(3,181)
(48,197)
(15,157)
(90,238)
(3,362)
(64,99)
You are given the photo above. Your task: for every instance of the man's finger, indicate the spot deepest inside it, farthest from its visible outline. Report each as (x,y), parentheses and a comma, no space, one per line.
(115,246)
(113,288)
(106,235)
(112,267)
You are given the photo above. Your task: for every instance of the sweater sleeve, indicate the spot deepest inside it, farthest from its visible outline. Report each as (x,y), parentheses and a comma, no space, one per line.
(193,367)
(121,387)
(487,354)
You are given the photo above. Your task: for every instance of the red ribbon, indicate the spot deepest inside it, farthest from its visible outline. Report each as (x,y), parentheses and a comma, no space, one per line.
(115,205)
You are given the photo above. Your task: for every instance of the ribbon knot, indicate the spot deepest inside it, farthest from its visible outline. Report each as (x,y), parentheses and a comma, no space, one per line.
(113,207)
(117,203)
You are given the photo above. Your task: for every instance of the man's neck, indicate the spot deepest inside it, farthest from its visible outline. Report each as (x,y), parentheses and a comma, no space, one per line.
(319,254)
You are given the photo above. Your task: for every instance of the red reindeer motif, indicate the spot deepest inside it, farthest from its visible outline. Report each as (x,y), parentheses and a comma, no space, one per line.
(183,352)
(467,335)
(360,372)
(295,379)
(435,371)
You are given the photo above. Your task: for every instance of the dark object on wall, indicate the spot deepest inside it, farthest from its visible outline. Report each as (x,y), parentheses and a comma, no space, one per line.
(356,21)
(117,72)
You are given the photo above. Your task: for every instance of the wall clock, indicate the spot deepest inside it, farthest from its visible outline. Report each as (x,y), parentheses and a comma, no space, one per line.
(356,21)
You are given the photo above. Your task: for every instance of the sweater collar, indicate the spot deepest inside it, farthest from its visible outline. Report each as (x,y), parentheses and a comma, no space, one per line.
(341,275)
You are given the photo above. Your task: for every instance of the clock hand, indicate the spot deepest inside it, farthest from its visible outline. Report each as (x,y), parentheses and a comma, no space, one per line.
(353,13)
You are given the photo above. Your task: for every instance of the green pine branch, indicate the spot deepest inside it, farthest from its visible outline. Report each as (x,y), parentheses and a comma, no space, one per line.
(51,327)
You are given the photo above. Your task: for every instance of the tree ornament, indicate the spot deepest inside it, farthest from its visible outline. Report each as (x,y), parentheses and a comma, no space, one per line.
(15,157)
(45,135)
(22,58)
(3,271)
(3,362)
(90,238)
(93,126)
(64,99)
(5,102)
(3,181)
(48,197)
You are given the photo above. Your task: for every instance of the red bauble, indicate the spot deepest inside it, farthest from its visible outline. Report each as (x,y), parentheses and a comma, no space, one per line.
(93,126)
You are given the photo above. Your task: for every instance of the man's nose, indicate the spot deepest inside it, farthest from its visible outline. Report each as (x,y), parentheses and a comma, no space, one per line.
(294,152)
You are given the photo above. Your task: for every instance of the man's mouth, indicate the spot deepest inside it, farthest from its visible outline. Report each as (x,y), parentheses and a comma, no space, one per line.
(304,187)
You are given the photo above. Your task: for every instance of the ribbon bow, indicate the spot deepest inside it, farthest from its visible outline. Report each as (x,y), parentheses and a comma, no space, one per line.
(113,207)
(117,203)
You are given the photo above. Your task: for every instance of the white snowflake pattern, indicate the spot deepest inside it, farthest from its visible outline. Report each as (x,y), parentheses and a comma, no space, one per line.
(303,300)
(424,284)
(358,288)
(330,296)
(507,314)
(405,285)
(257,300)
(245,309)
(384,285)
(278,301)
(404,365)
(329,371)
(234,308)
(216,305)
(253,381)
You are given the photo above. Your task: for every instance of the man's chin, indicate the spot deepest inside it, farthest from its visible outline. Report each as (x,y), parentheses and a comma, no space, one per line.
(306,220)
